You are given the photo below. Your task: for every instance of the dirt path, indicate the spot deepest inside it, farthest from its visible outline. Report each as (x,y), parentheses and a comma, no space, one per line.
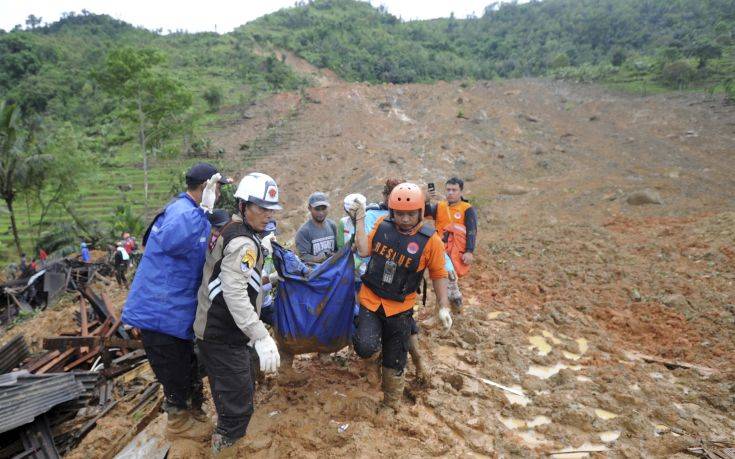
(570,278)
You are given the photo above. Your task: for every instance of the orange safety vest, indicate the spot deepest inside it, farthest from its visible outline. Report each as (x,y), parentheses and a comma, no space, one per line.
(447,214)
(451,226)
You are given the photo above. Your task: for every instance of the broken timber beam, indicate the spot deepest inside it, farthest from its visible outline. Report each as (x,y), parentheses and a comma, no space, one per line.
(64,342)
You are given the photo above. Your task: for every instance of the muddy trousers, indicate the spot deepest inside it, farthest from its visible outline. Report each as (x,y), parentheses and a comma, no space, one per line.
(232,375)
(177,368)
(375,330)
(120,275)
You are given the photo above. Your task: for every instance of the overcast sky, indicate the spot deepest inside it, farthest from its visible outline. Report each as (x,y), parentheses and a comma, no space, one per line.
(199,16)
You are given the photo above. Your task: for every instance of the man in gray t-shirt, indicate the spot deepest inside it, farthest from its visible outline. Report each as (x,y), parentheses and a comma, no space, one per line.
(316,240)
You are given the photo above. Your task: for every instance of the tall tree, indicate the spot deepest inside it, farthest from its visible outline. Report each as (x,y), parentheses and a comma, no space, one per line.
(32,21)
(17,161)
(154,101)
(54,183)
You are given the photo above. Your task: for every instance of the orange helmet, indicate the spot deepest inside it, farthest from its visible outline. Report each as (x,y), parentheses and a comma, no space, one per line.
(406,196)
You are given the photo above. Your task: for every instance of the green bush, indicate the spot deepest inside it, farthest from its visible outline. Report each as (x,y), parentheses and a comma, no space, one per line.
(678,74)
(213,96)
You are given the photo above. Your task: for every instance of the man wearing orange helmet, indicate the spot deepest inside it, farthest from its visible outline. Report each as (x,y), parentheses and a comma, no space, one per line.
(400,246)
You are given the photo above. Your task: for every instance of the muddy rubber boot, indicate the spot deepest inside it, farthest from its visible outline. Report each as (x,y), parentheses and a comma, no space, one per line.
(455,296)
(223,447)
(374,365)
(181,424)
(199,415)
(418,362)
(393,384)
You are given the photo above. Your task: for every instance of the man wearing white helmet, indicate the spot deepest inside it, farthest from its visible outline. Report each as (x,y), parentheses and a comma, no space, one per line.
(228,324)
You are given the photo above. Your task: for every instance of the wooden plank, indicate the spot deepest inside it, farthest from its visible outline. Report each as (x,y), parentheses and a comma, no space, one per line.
(102,329)
(83,321)
(46,358)
(84,358)
(108,305)
(58,360)
(62,343)
(114,327)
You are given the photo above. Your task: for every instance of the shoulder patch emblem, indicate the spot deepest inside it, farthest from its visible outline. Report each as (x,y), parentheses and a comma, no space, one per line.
(248,260)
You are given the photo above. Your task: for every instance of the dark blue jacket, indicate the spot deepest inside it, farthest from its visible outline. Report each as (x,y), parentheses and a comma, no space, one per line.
(163,297)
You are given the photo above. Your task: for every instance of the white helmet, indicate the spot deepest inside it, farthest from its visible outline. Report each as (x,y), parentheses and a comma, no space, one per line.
(350,198)
(259,189)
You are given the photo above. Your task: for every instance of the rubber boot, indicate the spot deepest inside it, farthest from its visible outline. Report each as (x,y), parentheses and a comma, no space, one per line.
(181,424)
(455,296)
(418,362)
(223,447)
(393,384)
(373,369)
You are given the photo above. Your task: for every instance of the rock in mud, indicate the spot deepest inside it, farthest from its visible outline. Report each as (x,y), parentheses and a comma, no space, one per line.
(471,388)
(643,197)
(513,190)
(455,380)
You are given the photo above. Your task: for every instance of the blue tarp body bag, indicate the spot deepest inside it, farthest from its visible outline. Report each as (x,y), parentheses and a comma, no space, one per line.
(314,310)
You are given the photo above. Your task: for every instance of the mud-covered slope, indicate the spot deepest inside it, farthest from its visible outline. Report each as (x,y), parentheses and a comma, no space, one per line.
(614,321)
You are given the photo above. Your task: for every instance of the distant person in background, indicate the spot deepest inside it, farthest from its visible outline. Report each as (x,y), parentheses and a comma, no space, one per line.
(23,266)
(42,255)
(316,240)
(85,253)
(121,261)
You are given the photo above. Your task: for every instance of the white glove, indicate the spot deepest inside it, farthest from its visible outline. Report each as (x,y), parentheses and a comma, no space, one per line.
(267,354)
(209,195)
(356,211)
(266,242)
(446,318)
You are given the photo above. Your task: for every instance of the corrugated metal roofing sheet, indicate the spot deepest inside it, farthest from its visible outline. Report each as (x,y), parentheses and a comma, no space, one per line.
(12,353)
(24,396)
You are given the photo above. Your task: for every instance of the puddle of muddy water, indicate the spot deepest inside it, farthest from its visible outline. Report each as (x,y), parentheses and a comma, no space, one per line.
(516,399)
(582,344)
(539,342)
(604,414)
(547,372)
(609,436)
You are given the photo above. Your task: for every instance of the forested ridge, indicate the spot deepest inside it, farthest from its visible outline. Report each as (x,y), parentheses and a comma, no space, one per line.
(96,108)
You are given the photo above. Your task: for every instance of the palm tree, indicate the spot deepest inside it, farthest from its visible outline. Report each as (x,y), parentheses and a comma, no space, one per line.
(16,163)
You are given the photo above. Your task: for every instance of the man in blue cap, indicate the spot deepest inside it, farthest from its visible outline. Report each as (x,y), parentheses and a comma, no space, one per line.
(163,298)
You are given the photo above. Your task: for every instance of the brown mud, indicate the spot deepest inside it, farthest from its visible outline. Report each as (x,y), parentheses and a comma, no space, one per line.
(570,281)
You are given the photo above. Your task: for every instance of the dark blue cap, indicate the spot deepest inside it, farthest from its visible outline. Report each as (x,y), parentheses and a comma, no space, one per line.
(201,172)
(219,218)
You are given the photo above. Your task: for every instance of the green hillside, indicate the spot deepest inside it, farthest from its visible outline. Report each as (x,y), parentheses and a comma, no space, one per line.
(590,39)
(81,84)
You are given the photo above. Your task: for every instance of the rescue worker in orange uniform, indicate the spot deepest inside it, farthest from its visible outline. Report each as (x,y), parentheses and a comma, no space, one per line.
(400,246)
(456,223)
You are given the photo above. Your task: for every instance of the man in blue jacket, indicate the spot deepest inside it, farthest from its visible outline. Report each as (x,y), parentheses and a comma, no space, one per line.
(163,298)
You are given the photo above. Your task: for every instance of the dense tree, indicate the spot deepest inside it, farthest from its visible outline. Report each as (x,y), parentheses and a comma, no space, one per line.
(152,98)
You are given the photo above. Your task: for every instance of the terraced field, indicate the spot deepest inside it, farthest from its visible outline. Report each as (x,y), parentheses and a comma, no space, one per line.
(100,192)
